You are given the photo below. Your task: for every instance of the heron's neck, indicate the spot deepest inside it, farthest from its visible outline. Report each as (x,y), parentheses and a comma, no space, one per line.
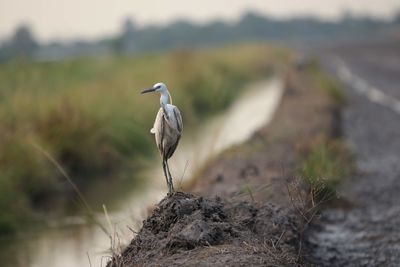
(165,98)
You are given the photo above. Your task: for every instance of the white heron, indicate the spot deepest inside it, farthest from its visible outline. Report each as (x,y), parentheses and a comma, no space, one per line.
(167,129)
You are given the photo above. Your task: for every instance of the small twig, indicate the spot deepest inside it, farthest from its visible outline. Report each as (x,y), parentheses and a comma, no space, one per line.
(248,189)
(133,231)
(107,218)
(279,239)
(294,205)
(300,246)
(260,189)
(183,174)
(90,263)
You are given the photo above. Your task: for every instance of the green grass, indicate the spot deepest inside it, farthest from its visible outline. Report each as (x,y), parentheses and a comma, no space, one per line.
(326,163)
(88,114)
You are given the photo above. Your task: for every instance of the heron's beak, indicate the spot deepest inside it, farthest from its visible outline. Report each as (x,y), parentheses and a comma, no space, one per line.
(148,90)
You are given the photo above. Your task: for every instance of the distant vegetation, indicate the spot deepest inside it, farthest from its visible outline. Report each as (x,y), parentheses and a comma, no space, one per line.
(88,115)
(185,34)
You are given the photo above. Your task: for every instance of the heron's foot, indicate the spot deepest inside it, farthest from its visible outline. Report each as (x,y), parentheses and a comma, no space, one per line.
(171,189)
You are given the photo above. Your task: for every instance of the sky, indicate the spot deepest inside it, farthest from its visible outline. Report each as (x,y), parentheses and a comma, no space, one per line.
(67,19)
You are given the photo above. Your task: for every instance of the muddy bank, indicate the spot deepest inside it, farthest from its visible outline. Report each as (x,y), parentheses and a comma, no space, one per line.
(240,212)
(190,230)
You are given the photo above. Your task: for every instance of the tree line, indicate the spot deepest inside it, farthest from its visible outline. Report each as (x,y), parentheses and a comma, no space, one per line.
(185,34)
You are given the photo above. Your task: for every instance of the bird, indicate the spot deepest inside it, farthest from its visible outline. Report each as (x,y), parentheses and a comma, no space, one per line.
(167,129)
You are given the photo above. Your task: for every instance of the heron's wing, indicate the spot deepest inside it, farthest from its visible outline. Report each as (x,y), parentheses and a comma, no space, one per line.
(157,122)
(167,130)
(172,148)
(178,118)
(160,134)
(178,130)
(158,129)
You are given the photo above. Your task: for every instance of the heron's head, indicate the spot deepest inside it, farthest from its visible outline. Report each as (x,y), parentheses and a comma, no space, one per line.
(158,87)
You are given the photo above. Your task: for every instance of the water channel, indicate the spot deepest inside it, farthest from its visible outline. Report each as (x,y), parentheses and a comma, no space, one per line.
(72,242)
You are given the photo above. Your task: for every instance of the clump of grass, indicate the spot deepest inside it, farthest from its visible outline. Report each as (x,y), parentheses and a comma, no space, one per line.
(325,163)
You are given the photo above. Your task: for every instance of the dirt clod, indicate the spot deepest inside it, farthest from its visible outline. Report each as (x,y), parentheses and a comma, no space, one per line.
(210,229)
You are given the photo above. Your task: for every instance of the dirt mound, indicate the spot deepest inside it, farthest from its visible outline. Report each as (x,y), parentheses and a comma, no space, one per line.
(187,230)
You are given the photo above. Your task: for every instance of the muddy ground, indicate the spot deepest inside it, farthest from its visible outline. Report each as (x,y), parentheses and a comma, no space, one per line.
(367,232)
(241,212)
(188,230)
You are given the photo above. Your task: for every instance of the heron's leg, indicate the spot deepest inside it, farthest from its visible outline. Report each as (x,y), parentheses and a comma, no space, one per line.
(164,165)
(170,177)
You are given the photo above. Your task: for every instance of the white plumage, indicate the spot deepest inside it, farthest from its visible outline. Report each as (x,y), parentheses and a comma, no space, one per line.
(167,129)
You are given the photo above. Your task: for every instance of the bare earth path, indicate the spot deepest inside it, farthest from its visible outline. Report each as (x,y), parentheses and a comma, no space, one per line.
(368,232)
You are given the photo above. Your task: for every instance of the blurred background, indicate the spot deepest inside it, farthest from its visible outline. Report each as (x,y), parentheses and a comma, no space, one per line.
(70,77)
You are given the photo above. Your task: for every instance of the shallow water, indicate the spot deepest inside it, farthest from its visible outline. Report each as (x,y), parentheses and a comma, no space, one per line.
(71,242)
